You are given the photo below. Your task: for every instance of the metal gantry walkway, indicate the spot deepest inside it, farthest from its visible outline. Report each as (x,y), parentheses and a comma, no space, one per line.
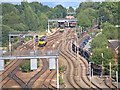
(32,56)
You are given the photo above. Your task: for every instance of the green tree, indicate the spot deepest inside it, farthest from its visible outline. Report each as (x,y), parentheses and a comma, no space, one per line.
(5,31)
(59,12)
(110,12)
(110,31)
(8,8)
(31,19)
(11,18)
(43,22)
(19,27)
(71,9)
(84,20)
(99,41)
(98,59)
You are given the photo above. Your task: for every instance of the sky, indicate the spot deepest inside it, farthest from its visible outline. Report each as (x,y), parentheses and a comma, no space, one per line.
(53,3)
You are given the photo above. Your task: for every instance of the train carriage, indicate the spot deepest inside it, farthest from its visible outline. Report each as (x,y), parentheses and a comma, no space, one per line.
(42,41)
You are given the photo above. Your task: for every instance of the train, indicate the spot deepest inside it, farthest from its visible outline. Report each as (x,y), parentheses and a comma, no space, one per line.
(42,41)
(86,54)
(61,29)
(72,24)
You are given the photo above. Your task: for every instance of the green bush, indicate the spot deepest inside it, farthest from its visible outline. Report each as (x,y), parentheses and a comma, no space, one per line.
(62,68)
(25,67)
(61,80)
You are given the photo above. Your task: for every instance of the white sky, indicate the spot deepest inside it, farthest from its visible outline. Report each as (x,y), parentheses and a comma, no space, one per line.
(51,0)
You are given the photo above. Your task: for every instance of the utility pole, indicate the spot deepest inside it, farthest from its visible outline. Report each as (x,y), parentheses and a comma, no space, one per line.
(57,70)
(10,44)
(117,78)
(77,54)
(34,43)
(57,75)
(90,73)
(110,74)
(102,65)
(48,27)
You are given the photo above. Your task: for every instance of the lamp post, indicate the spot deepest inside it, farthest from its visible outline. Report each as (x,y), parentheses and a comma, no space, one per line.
(110,74)
(34,43)
(48,27)
(57,69)
(57,75)
(10,43)
(102,64)
(90,73)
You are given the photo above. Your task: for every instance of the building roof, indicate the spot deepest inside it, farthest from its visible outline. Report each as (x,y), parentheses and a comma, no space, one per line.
(115,43)
(69,17)
(63,20)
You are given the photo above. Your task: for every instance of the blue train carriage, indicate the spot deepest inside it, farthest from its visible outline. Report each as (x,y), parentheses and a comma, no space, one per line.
(42,41)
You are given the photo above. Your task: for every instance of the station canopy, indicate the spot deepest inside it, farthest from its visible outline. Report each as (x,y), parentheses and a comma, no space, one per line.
(63,20)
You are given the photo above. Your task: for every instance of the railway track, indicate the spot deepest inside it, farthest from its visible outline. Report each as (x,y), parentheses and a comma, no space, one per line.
(44,68)
(11,74)
(110,84)
(12,62)
(47,80)
(36,76)
(51,41)
(84,70)
(70,69)
(74,67)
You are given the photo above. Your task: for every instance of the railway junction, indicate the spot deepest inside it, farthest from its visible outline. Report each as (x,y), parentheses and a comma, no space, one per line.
(58,61)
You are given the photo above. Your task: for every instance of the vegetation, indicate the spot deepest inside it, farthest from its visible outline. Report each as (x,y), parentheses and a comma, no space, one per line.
(26,66)
(90,12)
(62,68)
(61,81)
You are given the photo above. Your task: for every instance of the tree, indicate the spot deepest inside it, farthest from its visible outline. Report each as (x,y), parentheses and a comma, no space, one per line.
(19,27)
(97,57)
(110,31)
(5,31)
(11,18)
(70,9)
(8,8)
(31,19)
(43,22)
(84,21)
(110,12)
(59,12)
(99,41)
